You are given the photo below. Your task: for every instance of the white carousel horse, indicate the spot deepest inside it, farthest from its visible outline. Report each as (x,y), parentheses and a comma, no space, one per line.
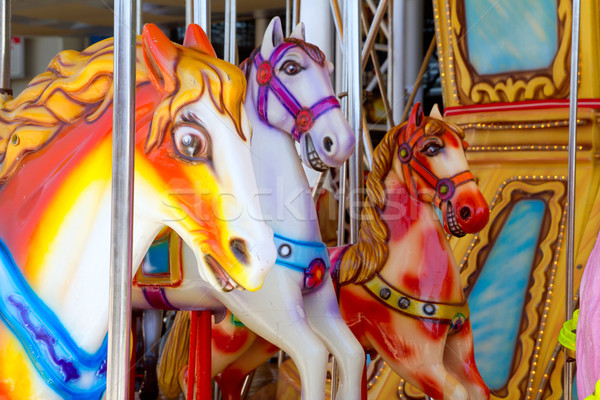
(290,97)
(192,143)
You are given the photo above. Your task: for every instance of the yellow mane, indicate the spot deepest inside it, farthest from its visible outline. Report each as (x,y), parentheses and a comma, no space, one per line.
(78,86)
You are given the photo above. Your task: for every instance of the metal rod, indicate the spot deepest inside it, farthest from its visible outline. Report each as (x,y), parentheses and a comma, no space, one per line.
(568,367)
(396,56)
(354,112)
(288,18)
(230,31)
(280,358)
(547,370)
(384,27)
(418,81)
(316,192)
(367,144)
(138,17)
(378,75)
(374,81)
(341,229)
(337,19)
(199,11)
(5,12)
(122,201)
(295,13)
(372,34)
(247,384)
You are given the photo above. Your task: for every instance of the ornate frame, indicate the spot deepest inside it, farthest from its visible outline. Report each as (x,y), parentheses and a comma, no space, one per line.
(548,83)
(543,272)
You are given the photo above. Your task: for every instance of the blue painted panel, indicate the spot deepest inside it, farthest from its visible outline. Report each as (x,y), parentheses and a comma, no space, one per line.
(511,35)
(157,259)
(497,299)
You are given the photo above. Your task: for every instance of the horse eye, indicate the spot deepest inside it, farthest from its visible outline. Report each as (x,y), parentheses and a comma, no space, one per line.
(291,68)
(432,149)
(191,142)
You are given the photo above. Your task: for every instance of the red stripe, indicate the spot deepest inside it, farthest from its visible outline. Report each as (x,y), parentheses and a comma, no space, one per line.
(519,106)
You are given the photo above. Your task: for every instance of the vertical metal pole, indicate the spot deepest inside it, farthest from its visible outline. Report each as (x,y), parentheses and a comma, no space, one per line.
(230,30)
(352,41)
(122,201)
(5,12)
(199,11)
(295,7)
(396,57)
(568,367)
(288,18)
(138,17)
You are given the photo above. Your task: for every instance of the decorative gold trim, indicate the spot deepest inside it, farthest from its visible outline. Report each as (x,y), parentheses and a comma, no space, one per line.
(523,147)
(175,275)
(561,123)
(540,291)
(413,307)
(549,83)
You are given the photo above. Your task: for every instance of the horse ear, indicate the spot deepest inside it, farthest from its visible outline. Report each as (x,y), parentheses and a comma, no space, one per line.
(435,113)
(273,37)
(416,116)
(160,56)
(298,32)
(196,39)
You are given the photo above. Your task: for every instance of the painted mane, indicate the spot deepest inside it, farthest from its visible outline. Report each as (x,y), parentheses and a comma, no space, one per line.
(78,86)
(364,259)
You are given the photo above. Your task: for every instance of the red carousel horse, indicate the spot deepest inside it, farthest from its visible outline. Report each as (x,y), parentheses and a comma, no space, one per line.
(400,290)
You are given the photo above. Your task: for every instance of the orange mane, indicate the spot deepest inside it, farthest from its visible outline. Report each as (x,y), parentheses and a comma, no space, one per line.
(78,86)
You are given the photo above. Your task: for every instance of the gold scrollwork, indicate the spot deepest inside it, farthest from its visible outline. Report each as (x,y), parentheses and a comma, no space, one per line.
(549,83)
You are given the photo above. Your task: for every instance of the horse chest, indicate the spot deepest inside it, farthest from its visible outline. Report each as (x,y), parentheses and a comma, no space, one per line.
(420,262)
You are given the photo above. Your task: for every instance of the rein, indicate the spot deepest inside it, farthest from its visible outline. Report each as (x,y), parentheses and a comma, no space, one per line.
(444,188)
(304,116)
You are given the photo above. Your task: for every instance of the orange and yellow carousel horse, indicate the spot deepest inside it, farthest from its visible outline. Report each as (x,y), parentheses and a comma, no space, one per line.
(193,173)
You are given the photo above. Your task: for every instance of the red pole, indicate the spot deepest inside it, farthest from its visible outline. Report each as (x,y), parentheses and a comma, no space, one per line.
(191,384)
(203,361)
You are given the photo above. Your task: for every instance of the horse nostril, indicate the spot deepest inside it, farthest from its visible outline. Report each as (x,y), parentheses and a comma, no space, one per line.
(327,143)
(465,213)
(239,250)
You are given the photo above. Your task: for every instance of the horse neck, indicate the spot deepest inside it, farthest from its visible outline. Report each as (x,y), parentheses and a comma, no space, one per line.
(420,261)
(285,193)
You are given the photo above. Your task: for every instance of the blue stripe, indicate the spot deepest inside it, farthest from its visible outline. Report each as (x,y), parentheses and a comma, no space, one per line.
(68,369)
(302,253)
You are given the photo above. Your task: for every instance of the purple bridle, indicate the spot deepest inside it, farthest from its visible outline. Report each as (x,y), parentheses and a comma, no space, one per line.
(305,116)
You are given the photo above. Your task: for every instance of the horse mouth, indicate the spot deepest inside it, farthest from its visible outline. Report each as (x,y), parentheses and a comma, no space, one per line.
(452,223)
(312,157)
(225,281)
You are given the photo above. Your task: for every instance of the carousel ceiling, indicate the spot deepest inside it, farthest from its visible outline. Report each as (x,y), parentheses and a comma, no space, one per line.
(95,17)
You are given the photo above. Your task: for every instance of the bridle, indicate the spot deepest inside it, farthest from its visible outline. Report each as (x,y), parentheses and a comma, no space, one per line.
(411,166)
(304,116)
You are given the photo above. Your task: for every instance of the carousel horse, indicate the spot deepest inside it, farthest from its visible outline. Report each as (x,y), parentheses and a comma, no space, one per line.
(400,290)
(192,144)
(290,97)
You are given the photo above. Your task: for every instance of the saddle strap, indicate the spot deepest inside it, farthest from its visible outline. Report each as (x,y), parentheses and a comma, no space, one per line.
(455,314)
(312,258)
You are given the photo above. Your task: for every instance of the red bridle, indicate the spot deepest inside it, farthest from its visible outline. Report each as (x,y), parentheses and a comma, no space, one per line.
(411,166)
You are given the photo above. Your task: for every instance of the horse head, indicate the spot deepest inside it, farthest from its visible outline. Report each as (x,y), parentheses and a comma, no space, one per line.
(431,160)
(199,147)
(290,89)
